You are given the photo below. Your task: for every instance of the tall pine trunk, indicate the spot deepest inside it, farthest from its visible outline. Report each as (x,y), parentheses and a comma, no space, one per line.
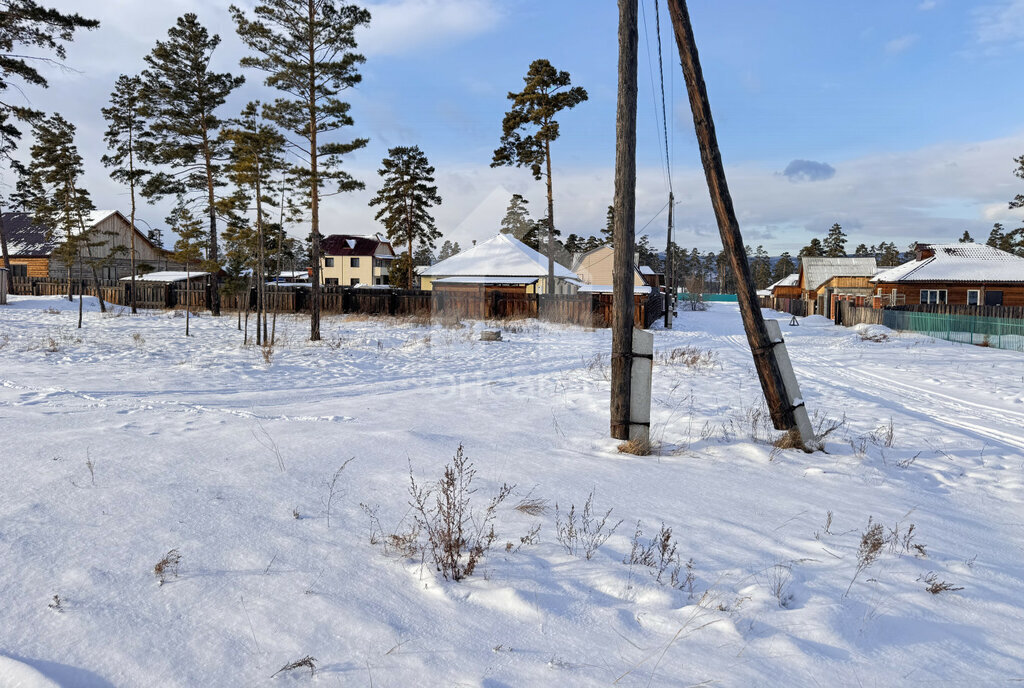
(131,190)
(314,200)
(551,221)
(6,255)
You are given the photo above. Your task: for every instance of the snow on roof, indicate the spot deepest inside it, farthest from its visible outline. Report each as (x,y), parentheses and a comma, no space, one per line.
(502,255)
(647,270)
(479,279)
(166,276)
(97,216)
(787,281)
(958,263)
(607,289)
(820,269)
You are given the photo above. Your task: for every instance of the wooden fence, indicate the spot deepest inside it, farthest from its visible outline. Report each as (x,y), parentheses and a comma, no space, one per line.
(586,309)
(791,306)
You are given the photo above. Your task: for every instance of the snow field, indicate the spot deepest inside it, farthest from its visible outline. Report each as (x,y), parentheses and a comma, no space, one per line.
(186,438)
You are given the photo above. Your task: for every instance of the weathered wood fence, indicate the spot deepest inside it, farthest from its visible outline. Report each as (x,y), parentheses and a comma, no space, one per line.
(791,306)
(586,309)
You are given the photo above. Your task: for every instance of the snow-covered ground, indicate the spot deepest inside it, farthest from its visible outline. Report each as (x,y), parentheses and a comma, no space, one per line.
(123,440)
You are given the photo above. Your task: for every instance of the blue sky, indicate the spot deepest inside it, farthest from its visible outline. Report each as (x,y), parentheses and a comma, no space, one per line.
(899,120)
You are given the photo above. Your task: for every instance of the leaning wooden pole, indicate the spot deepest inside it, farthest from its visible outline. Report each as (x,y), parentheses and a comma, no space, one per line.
(624,222)
(761,345)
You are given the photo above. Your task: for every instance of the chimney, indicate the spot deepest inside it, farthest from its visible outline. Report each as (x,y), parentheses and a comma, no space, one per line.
(923,251)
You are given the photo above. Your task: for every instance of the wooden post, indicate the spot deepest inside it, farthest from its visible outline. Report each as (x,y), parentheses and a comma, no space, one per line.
(761,346)
(669,289)
(624,221)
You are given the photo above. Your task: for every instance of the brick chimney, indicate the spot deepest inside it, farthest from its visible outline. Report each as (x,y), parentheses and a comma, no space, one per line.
(923,251)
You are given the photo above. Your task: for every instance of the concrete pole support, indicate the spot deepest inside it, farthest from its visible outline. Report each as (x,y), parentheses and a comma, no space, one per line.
(803,422)
(640,386)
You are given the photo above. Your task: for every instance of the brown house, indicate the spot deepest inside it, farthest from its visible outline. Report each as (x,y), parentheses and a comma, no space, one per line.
(786,288)
(31,247)
(968,274)
(824,280)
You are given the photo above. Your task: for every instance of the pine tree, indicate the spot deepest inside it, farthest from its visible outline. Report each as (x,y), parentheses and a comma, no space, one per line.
(423,256)
(257,156)
(609,225)
(188,247)
(835,242)
(125,127)
(398,271)
(156,236)
(517,221)
(761,268)
(813,249)
(533,112)
(448,249)
(29,33)
(889,254)
(307,50)
(862,251)
(8,142)
(966,238)
(51,191)
(181,96)
(405,200)
(784,267)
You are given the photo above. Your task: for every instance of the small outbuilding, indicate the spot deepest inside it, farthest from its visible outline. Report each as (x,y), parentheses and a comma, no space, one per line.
(824,280)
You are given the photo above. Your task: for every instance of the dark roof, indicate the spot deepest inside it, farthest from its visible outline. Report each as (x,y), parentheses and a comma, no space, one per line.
(349,245)
(26,239)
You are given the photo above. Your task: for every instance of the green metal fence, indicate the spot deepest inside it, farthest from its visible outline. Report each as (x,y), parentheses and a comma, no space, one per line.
(1000,333)
(709,297)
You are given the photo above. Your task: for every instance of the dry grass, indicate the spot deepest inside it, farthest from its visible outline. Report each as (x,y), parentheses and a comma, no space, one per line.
(935,586)
(306,662)
(584,533)
(457,537)
(532,506)
(689,356)
(790,440)
(637,446)
(167,568)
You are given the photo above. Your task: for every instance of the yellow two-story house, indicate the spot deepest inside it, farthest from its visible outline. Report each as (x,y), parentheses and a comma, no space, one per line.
(348,260)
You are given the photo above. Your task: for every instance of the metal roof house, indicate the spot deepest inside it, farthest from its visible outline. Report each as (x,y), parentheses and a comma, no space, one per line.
(824,279)
(968,273)
(501,261)
(31,246)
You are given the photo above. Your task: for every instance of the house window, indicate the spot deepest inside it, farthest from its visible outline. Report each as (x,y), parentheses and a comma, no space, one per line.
(973,297)
(328,262)
(19,270)
(331,281)
(993,298)
(353,282)
(933,296)
(353,262)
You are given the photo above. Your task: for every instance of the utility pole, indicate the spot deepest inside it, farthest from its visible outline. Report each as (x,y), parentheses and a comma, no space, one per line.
(780,402)
(670,292)
(624,222)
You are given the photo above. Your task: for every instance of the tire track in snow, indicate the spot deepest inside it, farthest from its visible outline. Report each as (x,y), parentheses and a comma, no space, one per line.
(943,408)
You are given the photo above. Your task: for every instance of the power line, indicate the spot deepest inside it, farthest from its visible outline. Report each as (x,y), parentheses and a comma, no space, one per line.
(650,71)
(661,74)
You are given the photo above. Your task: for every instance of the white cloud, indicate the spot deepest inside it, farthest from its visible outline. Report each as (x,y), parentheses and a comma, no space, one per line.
(901,44)
(934,193)
(1000,24)
(401,26)
(927,5)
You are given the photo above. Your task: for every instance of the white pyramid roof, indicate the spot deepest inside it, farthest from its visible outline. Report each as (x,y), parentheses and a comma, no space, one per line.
(500,256)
